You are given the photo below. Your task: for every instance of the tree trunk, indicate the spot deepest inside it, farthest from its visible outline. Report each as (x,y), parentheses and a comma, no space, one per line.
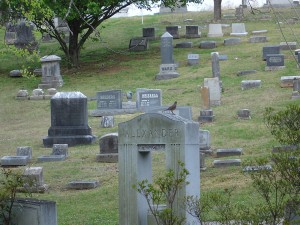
(217,10)
(74,47)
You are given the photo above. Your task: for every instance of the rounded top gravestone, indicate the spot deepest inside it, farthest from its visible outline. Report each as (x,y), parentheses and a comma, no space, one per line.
(50,58)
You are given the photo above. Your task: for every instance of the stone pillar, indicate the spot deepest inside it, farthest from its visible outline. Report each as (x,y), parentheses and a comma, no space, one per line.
(51,77)
(69,120)
(215,65)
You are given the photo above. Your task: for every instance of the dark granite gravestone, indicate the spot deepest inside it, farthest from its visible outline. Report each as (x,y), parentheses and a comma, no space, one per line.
(83,185)
(138,44)
(275,60)
(206,115)
(192,32)
(232,41)
(173,30)
(243,114)
(208,44)
(69,120)
(149,33)
(258,39)
(109,99)
(275,49)
(147,98)
(25,38)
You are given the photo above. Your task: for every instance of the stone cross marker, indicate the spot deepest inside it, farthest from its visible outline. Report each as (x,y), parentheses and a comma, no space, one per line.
(178,137)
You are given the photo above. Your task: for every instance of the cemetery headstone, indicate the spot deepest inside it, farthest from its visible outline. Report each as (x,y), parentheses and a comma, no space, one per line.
(208,44)
(24,37)
(14,160)
(248,84)
(232,41)
(288,81)
(206,116)
(213,85)
(82,185)
(245,72)
(205,96)
(275,49)
(167,68)
(69,120)
(178,137)
(149,33)
(296,89)
(24,151)
(259,31)
(292,45)
(243,114)
(107,121)
(29,211)
(226,163)
(51,158)
(22,95)
(37,94)
(238,29)
(184,45)
(215,30)
(174,31)
(202,161)
(108,148)
(138,44)
(258,39)
(10,33)
(147,98)
(229,152)
(192,32)
(239,12)
(204,141)
(215,65)
(111,99)
(274,62)
(15,73)
(51,77)
(34,180)
(193,59)
(60,149)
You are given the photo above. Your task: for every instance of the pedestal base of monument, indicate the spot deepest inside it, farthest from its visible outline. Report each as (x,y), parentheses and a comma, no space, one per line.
(206,115)
(70,140)
(167,71)
(107,158)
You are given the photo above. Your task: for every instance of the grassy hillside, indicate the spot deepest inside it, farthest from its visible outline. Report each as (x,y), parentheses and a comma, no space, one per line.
(106,65)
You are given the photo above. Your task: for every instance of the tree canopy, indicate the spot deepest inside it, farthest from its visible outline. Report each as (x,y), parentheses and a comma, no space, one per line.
(82,17)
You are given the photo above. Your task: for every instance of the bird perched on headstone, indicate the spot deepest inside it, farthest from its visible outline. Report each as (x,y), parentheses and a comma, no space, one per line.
(172,108)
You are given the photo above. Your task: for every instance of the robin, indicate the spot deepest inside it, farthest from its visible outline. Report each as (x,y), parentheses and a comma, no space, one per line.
(172,108)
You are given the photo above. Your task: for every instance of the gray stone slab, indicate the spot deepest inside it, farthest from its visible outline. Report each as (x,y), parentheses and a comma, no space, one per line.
(266,50)
(208,44)
(259,31)
(288,45)
(149,33)
(249,84)
(226,163)
(284,148)
(229,152)
(192,31)
(214,87)
(138,44)
(173,30)
(223,57)
(108,143)
(232,41)
(14,160)
(287,81)
(24,151)
(245,72)
(204,140)
(107,158)
(258,39)
(51,158)
(111,99)
(238,29)
(193,59)
(256,168)
(81,185)
(15,73)
(60,149)
(184,45)
(148,98)
(215,30)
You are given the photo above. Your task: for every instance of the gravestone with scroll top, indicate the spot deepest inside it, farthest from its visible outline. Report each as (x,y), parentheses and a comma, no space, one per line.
(179,138)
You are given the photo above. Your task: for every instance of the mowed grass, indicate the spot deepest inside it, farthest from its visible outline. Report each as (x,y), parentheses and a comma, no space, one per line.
(107,64)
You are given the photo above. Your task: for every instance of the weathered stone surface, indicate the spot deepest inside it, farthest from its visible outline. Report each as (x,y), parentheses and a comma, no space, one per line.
(208,44)
(107,158)
(138,44)
(258,39)
(245,72)
(149,33)
(248,84)
(107,121)
(51,77)
(193,59)
(215,30)
(81,185)
(244,114)
(229,152)
(205,96)
(284,148)
(238,29)
(287,81)
(232,41)
(14,160)
(204,140)
(184,45)
(108,143)
(60,149)
(275,60)
(266,50)
(288,45)
(213,85)
(226,162)
(51,158)
(24,151)
(173,30)
(206,115)
(148,98)
(15,73)
(192,31)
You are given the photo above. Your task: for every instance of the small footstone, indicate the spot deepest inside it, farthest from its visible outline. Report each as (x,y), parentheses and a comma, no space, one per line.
(227,162)
(81,185)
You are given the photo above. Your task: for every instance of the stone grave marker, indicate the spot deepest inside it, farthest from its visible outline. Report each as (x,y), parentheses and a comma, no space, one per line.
(15,73)
(14,160)
(192,31)
(37,94)
(22,95)
(215,65)
(223,57)
(24,37)
(238,29)
(232,41)
(51,158)
(213,85)
(274,62)
(174,31)
(148,98)
(138,44)
(239,12)
(215,30)
(60,149)
(179,138)
(296,89)
(266,50)
(24,151)
(205,96)
(206,116)
(229,152)
(29,211)
(288,81)
(284,148)
(10,33)
(193,59)
(107,121)
(208,44)
(204,142)
(83,185)
(149,33)
(258,39)
(243,114)
(34,180)
(248,84)
(245,72)
(291,45)
(69,120)
(51,77)
(226,163)
(167,68)
(186,44)
(111,99)
(108,144)
(202,161)
(257,168)
(259,31)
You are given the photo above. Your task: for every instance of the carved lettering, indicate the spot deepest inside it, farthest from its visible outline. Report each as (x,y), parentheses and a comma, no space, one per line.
(151,133)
